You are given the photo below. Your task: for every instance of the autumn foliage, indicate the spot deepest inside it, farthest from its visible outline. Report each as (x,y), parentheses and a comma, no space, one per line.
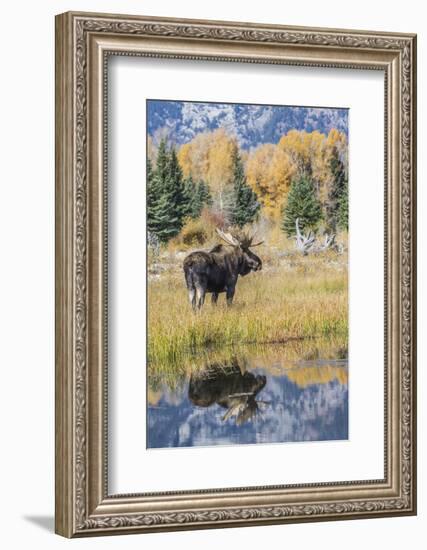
(269,167)
(213,166)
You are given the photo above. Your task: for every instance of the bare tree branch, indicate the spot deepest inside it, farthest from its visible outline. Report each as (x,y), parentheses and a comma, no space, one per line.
(307,243)
(303,243)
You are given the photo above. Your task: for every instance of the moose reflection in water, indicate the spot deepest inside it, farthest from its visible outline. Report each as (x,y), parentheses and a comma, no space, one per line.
(252,396)
(228,387)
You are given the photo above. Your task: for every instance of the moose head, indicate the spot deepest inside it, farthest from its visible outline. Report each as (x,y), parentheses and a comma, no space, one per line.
(243,243)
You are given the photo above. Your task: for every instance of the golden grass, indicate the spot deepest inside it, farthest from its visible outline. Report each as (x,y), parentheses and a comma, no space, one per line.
(295,298)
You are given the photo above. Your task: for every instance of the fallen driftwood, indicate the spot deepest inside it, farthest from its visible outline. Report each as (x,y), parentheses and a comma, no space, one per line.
(308,243)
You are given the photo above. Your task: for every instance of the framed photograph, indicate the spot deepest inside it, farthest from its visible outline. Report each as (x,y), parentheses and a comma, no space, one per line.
(235,274)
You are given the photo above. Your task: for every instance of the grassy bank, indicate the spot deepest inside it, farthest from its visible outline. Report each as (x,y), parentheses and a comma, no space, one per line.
(293,298)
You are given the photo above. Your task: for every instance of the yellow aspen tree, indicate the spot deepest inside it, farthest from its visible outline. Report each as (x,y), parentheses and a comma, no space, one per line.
(151,150)
(220,154)
(185,160)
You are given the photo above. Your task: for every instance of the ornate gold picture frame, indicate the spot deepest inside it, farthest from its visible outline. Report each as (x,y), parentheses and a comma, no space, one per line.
(84,42)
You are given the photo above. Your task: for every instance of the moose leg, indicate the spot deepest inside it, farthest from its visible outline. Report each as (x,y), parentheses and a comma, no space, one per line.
(189,280)
(230,294)
(192,297)
(214,298)
(200,293)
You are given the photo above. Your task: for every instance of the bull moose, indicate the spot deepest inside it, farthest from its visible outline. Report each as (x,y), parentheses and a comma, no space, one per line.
(230,388)
(217,270)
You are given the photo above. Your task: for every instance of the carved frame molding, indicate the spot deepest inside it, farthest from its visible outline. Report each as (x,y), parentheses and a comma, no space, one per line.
(83,43)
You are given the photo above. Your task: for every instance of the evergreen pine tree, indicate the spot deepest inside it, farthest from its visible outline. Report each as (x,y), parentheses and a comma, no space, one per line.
(246,205)
(168,223)
(166,200)
(302,204)
(342,218)
(190,195)
(155,189)
(152,197)
(197,197)
(162,163)
(204,194)
(175,185)
(337,190)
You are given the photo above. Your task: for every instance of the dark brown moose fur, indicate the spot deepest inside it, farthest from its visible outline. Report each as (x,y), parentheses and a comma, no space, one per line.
(217,271)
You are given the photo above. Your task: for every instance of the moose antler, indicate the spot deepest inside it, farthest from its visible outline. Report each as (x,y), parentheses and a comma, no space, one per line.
(228,238)
(248,240)
(243,240)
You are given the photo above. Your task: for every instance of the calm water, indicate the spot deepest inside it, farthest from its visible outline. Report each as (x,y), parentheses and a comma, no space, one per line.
(249,398)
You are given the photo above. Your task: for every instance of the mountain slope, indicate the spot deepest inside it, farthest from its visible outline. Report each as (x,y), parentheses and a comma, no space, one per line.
(252,125)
